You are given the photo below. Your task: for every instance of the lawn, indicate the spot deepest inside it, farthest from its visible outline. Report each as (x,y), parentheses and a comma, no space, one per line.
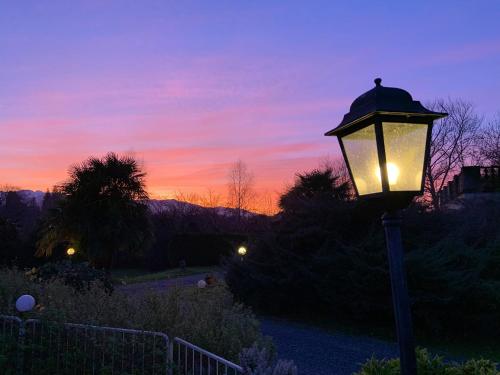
(137,275)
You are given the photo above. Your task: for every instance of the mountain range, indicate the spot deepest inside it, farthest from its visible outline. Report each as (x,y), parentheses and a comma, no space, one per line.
(155,205)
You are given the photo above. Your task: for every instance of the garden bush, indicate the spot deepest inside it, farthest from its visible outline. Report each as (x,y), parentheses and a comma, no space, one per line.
(428,364)
(206,317)
(262,361)
(77,275)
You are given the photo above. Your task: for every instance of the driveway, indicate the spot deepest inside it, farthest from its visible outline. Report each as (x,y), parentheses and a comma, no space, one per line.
(316,352)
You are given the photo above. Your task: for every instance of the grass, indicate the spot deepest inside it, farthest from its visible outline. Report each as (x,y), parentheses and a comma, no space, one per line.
(137,275)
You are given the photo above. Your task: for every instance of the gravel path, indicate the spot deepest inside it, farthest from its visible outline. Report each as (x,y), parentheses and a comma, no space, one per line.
(316,352)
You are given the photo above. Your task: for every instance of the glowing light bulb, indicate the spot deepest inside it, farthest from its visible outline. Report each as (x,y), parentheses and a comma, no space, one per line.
(242,250)
(361,185)
(392,173)
(70,251)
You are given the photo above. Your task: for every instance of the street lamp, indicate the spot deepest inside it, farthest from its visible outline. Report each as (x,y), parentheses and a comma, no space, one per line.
(242,251)
(71,251)
(385,140)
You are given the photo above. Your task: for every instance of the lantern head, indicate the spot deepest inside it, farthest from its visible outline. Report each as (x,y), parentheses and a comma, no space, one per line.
(385,141)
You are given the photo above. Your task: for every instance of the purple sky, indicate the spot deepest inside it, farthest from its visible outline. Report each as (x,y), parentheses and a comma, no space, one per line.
(191,86)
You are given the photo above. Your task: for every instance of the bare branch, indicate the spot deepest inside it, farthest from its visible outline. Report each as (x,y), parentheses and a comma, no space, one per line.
(453,144)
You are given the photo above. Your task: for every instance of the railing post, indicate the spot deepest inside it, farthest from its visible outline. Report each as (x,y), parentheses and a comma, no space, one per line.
(170,361)
(20,347)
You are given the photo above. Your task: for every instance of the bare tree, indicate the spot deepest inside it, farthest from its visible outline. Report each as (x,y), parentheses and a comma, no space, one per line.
(489,142)
(452,145)
(268,203)
(188,197)
(211,199)
(240,187)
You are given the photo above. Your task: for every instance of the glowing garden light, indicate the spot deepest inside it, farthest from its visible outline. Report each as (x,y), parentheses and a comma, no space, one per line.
(242,251)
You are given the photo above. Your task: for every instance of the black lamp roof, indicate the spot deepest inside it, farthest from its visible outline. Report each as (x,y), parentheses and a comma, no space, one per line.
(383,100)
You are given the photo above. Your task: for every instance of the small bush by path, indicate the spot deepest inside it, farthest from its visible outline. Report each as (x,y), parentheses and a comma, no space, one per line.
(428,364)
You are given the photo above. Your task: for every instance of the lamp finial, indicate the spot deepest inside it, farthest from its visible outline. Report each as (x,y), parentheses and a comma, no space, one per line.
(378,81)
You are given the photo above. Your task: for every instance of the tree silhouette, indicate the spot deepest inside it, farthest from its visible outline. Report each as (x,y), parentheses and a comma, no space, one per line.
(317,185)
(489,142)
(452,144)
(103,213)
(240,188)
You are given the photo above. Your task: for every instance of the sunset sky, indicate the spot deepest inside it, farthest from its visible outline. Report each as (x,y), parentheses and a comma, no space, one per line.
(189,87)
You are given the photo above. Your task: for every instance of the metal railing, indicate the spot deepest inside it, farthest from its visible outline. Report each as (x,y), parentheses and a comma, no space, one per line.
(11,337)
(191,359)
(44,347)
(85,349)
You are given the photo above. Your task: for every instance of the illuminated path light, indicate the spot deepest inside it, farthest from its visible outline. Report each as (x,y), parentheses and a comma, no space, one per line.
(242,250)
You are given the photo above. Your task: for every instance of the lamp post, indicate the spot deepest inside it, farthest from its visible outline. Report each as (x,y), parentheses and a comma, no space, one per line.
(385,140)
(242,251)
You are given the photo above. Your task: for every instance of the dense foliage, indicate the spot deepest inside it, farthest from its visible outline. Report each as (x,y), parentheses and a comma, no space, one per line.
(206,317)
(80,276)
(328,252)
(431,365)
(201,249)
(19,220)
(259,360)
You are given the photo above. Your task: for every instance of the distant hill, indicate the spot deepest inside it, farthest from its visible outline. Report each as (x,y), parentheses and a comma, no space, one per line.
(158,205)
(26,196)
(155,205)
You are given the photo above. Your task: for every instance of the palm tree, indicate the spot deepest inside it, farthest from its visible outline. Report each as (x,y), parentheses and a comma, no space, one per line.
(103,213)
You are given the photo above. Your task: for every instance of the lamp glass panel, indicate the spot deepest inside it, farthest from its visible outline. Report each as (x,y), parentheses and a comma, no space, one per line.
(404,151)
(361,152)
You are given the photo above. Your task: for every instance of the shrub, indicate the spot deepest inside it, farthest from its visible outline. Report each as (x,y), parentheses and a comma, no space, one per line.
(77,275)
(428,364)
(262,361)
(206,317)
(452,277)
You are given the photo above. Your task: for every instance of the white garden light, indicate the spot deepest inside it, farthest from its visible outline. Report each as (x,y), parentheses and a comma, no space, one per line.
(25,303)
(202,284)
